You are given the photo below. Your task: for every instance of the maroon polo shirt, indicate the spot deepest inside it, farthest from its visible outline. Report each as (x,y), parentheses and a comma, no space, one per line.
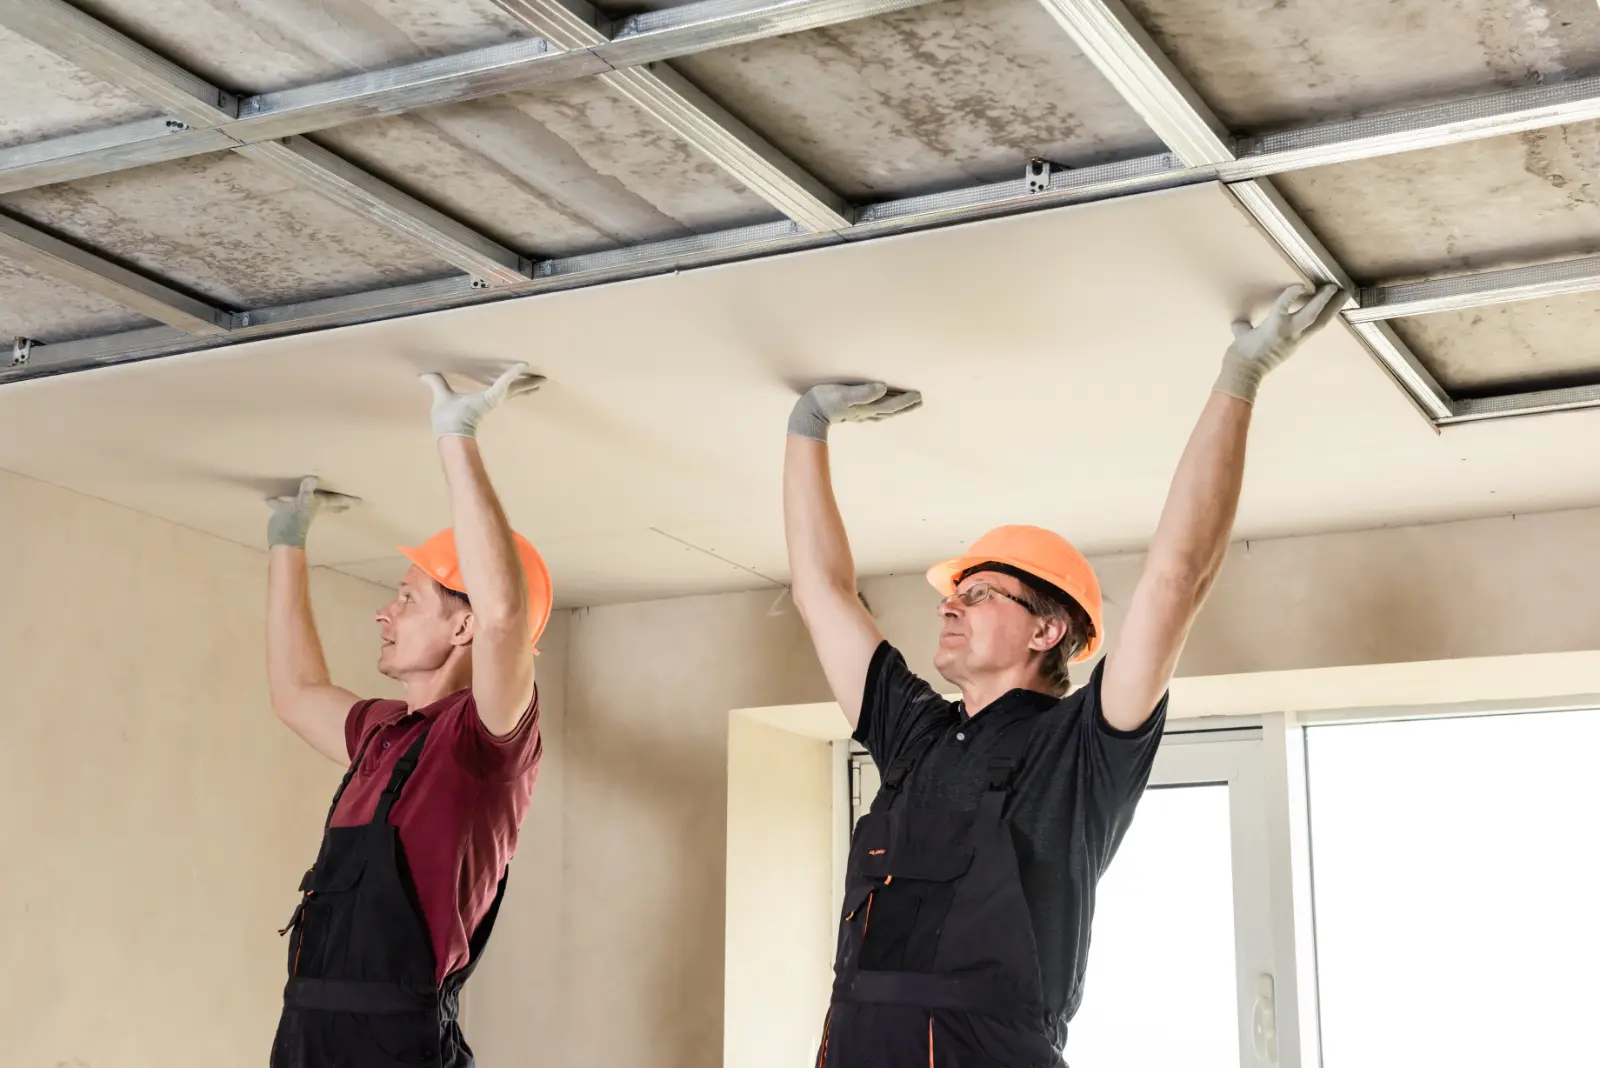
(459,813)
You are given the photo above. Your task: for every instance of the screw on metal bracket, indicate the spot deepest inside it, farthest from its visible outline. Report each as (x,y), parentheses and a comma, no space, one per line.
(177,124)
(1037,174)
(21,349)
(478,283)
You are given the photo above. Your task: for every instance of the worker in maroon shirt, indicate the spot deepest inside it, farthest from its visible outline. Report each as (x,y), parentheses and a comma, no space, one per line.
(400,902)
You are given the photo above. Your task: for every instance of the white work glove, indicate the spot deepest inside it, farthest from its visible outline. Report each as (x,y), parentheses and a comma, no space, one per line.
(830,403)
(292,516)
(1258,349)
(460,413)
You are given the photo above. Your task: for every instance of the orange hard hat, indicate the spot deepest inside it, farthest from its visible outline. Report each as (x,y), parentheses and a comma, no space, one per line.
(1045,555)
(437,556)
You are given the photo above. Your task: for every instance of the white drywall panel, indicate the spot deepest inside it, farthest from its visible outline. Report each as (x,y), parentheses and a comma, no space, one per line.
(1064,357)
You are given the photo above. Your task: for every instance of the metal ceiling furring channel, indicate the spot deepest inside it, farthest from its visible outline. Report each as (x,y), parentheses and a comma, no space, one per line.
(1536,282)
(574,41)
(1115,43)
(680,106)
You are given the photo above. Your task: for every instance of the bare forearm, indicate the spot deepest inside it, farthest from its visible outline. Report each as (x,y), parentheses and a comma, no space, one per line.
(823,574)
(294,653)
(490,565)
(1185,555)
(819,549)
(1192,537)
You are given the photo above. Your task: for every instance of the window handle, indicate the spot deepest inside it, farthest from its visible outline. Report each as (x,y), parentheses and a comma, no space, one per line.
(1264,1021)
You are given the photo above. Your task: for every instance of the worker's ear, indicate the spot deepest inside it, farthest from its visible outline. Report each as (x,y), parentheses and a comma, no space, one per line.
(1047,633)
(466,623)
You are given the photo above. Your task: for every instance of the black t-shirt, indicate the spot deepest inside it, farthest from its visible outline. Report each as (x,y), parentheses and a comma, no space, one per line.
(1070,802)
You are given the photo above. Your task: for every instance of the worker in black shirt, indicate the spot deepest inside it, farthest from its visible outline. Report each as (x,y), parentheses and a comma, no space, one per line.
(971,883)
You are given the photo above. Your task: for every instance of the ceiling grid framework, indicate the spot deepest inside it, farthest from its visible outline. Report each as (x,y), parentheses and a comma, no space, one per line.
(572,42)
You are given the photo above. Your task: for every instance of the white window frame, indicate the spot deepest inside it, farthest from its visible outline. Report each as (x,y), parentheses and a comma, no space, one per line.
(1250,756)
(1261,759)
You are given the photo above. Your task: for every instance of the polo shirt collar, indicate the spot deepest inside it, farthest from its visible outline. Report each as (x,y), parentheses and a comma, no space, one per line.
(1010,705)
(433,711)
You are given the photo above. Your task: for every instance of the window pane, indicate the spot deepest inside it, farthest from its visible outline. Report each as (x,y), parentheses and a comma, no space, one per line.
(1455,877)
(864,787)
(1161,987)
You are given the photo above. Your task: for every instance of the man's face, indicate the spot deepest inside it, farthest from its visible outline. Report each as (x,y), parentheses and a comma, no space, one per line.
(420,627)
(990,636)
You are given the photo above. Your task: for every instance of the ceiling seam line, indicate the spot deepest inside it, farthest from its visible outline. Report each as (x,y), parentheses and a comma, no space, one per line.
(716,556)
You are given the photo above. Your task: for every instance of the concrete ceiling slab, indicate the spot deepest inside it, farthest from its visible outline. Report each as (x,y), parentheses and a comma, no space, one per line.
(45,96)
(258,46)
(1500,202)
(45,310)
(1263,64)
(227,229)
(569,168)
(931,98)
(1504,348)
(1060,386)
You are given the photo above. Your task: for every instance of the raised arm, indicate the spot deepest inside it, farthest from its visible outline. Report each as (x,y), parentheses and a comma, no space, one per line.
(297,675)
(502,645)
(1192,536)
(822,572)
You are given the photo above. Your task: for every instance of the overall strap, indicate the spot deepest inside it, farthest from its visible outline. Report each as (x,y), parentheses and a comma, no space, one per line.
(1007,758)
(901,766)
(349,774)
(397,779)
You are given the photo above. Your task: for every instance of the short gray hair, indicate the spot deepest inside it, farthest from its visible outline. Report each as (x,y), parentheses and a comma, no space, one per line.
(1079,632)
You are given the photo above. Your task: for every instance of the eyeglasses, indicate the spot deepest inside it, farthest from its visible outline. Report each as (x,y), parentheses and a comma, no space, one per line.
(979,592)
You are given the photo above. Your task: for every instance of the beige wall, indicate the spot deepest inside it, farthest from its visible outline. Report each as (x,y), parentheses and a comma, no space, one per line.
(516,1000)
(154,816)
(779,907)
(645,753)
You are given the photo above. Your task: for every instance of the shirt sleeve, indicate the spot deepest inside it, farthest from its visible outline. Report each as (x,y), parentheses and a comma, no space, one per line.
(1118,762)
(361,716)
(484,756)
(897,708)
(1116,768)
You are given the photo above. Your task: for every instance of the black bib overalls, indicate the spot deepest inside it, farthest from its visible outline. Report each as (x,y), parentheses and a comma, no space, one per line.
(935,931)
(362,991)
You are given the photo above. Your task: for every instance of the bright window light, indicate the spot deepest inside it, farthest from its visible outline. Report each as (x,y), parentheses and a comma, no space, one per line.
(1456,870)
(1161,988)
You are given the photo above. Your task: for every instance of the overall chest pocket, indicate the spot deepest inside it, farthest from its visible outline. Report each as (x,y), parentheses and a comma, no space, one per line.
(905,875)
(325,917)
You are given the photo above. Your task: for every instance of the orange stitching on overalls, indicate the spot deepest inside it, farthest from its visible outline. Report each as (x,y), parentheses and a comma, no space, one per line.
(930,1042)
(876,852)
(867,919)
(302,944)
(827,1026)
